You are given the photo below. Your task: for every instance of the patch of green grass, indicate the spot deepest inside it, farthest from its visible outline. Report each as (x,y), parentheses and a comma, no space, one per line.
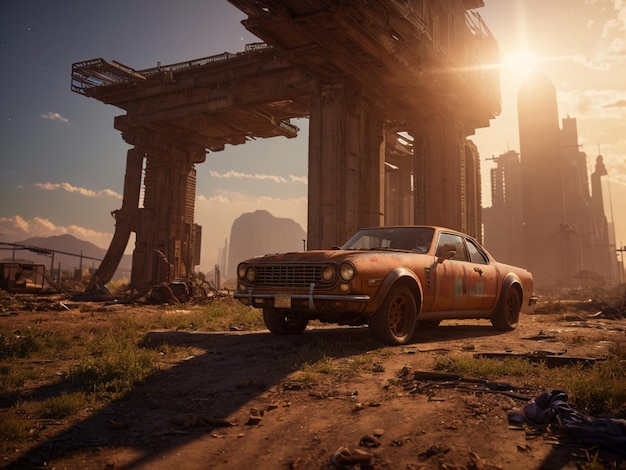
(487,367)
(14,375)
(13,428)
(324,365)
(589,460)
(359,363)
(115,371)
(28,342)
(218,316)
(333,356)
(64,405)
(596,390)
(20,343)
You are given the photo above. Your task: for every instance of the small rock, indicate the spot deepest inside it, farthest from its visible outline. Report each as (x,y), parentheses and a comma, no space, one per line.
(369,441)
(255,417)
(345,457)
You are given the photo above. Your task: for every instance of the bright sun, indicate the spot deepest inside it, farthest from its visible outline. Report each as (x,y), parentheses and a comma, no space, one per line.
(522,62)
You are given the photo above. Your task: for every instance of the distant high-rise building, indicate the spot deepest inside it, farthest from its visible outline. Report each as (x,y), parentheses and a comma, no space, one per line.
(543,215)
(503,220)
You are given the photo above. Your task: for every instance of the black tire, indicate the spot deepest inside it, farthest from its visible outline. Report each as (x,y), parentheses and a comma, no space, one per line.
(284,322)
(507,315)
(394,322)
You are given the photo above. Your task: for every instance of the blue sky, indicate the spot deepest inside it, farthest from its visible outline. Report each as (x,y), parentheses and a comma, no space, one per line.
(62,162)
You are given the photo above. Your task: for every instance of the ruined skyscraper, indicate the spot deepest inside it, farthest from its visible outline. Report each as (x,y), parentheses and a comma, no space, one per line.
(503,220)
(565,237)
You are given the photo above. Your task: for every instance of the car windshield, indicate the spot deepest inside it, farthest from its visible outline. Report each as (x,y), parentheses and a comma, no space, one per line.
(415,239)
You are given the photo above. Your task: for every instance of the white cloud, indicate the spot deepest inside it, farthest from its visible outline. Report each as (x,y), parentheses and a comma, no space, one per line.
(16,228)
(593,103)
(54,117)
(299,179)
(74,189)
(220,199)
(256,176)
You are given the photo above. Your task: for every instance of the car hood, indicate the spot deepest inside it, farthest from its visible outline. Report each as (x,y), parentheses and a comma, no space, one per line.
(337,256)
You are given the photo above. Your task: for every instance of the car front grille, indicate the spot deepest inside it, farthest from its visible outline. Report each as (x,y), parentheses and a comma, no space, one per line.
(289,276)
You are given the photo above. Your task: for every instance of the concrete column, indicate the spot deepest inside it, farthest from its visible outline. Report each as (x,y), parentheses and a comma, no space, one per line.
(125,220)
(346,161)
(167,245)
(441,175)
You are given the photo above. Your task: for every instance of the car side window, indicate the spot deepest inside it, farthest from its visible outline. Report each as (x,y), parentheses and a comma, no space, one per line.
(448,242)
(476,255)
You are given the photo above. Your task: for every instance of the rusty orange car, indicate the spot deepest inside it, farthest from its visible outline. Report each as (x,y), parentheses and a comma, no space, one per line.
(394,279)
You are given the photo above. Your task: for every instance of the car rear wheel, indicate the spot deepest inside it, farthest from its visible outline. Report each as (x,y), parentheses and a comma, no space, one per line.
(284,322)
(394,322)
(507,315)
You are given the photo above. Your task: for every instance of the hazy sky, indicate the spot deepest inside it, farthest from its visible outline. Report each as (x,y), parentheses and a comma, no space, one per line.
(62,163)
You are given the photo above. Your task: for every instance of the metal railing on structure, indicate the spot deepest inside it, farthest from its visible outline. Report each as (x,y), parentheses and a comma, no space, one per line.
(99,72)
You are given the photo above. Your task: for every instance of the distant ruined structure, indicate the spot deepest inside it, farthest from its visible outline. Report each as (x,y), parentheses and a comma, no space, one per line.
(543,215)
(270,235)
(392,90)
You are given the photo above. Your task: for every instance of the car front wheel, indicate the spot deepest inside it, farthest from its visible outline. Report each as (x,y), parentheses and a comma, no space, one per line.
(281,322)
(507,315)
(394,322)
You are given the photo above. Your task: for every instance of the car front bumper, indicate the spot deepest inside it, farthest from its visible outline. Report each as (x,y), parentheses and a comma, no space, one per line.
(284,300)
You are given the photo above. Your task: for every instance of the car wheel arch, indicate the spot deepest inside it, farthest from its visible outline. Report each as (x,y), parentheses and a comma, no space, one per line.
(396,276)
(510,281)
(505,316)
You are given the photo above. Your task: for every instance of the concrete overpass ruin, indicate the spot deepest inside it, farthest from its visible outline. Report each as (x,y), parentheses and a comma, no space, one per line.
(392,90)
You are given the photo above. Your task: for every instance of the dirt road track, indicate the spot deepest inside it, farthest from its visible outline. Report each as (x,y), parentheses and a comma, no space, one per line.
(243,403)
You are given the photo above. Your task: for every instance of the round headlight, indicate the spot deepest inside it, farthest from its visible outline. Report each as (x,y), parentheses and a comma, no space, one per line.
(241,270)
(250,274)
(328,273)
(347,271)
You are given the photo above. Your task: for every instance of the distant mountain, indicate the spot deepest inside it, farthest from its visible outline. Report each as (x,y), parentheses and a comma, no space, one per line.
(260,233)
(70,259)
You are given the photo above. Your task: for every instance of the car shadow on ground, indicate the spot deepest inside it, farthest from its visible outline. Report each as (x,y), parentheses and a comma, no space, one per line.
(454,332)
(219,385)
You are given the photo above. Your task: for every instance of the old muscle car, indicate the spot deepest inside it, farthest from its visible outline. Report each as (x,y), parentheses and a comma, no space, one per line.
(395,279)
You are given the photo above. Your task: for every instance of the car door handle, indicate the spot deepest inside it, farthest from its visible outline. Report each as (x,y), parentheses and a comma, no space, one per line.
(478,270)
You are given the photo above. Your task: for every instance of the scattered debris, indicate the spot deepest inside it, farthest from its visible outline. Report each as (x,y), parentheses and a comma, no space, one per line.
(552,412)
(369,441)
(541,336)
(432,451)
(610,313)
(191,421)
(449,380)
(344,457)
(255,417)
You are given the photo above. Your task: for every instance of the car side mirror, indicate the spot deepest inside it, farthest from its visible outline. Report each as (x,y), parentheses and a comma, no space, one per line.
(446,255)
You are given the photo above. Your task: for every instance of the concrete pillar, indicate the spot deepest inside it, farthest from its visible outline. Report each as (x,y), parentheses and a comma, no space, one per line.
(398,181)
(167,242)
(346,161)
(125,220)
(447,176)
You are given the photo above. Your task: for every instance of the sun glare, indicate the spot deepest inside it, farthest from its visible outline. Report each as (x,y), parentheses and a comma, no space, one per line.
(522,62)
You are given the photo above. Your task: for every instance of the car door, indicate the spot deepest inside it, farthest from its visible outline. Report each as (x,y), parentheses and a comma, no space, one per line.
(482,278)
(449,274)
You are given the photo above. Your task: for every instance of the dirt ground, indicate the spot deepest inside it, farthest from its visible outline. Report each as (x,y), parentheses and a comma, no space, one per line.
(239,404)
